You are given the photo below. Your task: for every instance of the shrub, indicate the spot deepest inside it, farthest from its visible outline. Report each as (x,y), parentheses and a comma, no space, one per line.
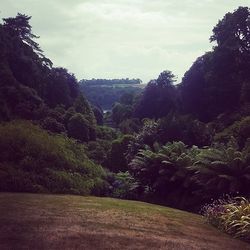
(33,160)
(51,124)
(122,185)
(106,133)
(239,129)
(98,150)
(117,160)
(232,216)
(164,174)
(79,128)
(183,128)
(98,113)
(146,137)
(130,126)
(222,169)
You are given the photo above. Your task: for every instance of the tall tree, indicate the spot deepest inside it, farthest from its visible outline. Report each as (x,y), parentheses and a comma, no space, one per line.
(158,98)
(20,26)
(233,31)
(216,82)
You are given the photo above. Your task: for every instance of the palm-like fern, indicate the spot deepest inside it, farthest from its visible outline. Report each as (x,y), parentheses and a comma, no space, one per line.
(176,159)
(165,169)
(145,166)
(223,169)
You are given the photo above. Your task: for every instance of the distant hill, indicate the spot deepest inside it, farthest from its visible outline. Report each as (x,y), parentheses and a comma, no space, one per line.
(125,81)
(104,93)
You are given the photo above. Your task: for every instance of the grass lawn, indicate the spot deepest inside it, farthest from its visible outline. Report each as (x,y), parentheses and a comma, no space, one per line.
(41,221)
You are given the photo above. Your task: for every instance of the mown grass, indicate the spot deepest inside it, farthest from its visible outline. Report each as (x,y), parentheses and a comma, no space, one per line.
(41,221)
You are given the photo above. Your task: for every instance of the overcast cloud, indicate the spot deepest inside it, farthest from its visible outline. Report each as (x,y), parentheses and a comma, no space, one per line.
(123,38)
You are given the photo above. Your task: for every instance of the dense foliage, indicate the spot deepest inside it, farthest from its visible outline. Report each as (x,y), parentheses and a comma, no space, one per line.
(159,97)
(30,88)
(219,80)
(34,161)
(185,177)
(181,145)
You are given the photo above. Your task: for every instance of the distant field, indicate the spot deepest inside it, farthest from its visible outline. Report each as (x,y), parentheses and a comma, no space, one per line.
(38,221)
(141,86)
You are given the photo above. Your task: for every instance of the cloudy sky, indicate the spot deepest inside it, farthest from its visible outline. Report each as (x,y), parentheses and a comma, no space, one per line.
(123,38)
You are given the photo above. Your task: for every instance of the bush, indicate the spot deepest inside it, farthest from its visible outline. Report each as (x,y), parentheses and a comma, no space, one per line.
(231,216)
(183,128)
(79,128)
(52,125)
(106,133)
(32,160)
(222,169)
(98,113)
(164,174)
(239,129)
(123,185)
(130,126)
(116,160)
(98,150)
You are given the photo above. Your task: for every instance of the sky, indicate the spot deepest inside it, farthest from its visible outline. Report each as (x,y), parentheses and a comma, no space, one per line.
(122,38)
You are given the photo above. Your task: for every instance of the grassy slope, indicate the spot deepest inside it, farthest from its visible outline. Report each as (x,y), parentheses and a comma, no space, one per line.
(36,221)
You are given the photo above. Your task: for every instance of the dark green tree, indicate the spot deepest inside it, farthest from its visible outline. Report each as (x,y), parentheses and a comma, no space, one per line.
(233,31)
(20,26)
(158,98)
(79,128)
(166,78)
(98,113)
(217,81)
(117,160)
(121,112)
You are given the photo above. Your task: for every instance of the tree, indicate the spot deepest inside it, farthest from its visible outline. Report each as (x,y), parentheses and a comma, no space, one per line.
(158,98)
(51,124)
(20,26)
(191,131)
(213,84)
(98,115)
(61,88)
(166,78)
(193,89)
(145,138)
(117,160)
(233,31)
(121,112)
(82,106)
(130,126)
(218,81)
(79,127)
(127,98)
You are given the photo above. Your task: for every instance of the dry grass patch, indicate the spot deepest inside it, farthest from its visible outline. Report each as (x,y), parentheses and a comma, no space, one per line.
(33,221)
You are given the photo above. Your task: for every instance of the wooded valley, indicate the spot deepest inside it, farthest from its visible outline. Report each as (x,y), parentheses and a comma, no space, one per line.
(181,145)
